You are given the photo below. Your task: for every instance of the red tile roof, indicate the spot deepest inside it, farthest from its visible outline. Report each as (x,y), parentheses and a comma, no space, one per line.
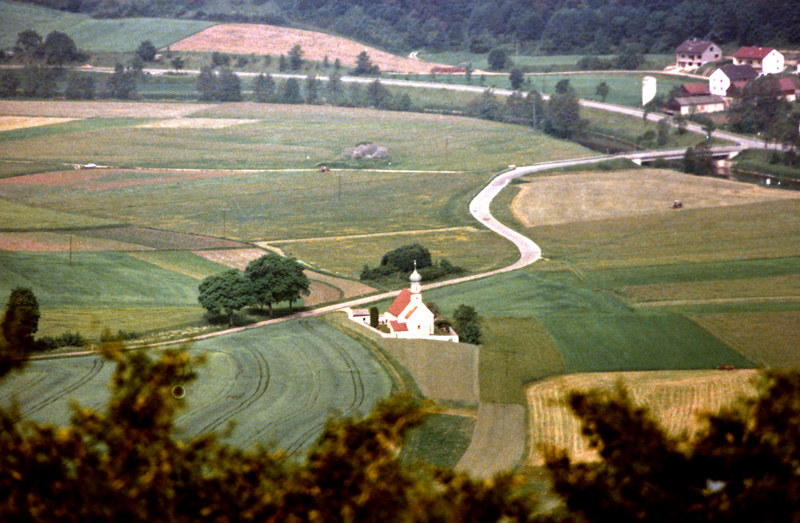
(400,303)
(750,53)
(398,327)
(699,89)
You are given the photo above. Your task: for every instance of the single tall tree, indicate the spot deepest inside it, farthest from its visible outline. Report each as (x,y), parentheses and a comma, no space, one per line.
(59,48)
(296,58)
(21,320)
(467,324)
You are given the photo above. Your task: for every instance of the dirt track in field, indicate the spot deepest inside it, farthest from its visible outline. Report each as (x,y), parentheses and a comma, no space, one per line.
(274,41)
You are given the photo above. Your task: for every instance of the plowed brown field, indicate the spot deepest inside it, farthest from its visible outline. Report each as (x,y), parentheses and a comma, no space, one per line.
(273,40)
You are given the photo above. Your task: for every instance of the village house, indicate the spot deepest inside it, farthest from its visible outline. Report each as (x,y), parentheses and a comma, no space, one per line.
(730,77)
(686,105)
(693,53)
(765,60)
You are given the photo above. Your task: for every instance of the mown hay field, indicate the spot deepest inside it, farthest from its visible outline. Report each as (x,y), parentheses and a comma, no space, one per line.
(597,195)
(677,400)
(10,123)
(259,39)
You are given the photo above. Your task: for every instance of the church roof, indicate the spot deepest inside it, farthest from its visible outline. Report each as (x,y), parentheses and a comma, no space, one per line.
(410,313)
(398,326)
(400,303)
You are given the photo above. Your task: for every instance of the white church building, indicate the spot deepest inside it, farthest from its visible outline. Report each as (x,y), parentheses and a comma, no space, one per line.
(407,316)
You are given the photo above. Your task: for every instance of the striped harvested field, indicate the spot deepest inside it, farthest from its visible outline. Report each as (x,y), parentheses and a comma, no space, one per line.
(675,398)
(161,240)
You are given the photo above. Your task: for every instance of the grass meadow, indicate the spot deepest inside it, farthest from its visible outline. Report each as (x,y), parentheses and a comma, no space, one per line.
(92,34)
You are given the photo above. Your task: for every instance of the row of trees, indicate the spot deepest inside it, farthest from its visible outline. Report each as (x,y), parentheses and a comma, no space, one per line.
(266,281)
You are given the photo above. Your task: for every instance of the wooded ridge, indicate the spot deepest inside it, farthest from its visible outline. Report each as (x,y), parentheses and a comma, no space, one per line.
(548,26)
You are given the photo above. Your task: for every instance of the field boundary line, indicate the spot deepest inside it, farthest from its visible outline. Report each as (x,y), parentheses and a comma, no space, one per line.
(466,228)
(717,301)
(707,326)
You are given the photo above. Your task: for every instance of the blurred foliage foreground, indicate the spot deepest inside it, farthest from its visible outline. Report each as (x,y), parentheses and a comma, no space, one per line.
(127,465)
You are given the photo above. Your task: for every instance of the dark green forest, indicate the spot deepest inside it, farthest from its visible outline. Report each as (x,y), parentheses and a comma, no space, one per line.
(545,26)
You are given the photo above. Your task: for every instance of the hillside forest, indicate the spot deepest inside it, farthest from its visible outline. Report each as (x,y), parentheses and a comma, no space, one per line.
(546,26)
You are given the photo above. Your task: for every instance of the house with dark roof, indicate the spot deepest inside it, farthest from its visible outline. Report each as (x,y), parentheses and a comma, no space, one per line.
(730,76)
(693,53)
(765,60)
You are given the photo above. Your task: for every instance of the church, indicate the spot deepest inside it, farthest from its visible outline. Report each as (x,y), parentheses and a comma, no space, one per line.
(407,316)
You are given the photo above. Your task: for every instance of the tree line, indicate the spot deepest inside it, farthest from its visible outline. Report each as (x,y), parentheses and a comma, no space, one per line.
(552,26)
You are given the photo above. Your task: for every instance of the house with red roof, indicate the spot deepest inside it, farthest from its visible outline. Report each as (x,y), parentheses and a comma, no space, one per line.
(765,60)
(696,89)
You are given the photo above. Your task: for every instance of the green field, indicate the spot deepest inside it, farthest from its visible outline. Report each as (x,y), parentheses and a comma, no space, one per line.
(102,290)
(91,34)
(724,273)
(530,62)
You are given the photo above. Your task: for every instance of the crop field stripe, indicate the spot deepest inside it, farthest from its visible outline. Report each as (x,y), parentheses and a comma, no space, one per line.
(97,366)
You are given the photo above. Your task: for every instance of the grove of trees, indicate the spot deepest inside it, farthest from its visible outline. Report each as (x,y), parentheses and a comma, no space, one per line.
(400,262)
(265,281)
